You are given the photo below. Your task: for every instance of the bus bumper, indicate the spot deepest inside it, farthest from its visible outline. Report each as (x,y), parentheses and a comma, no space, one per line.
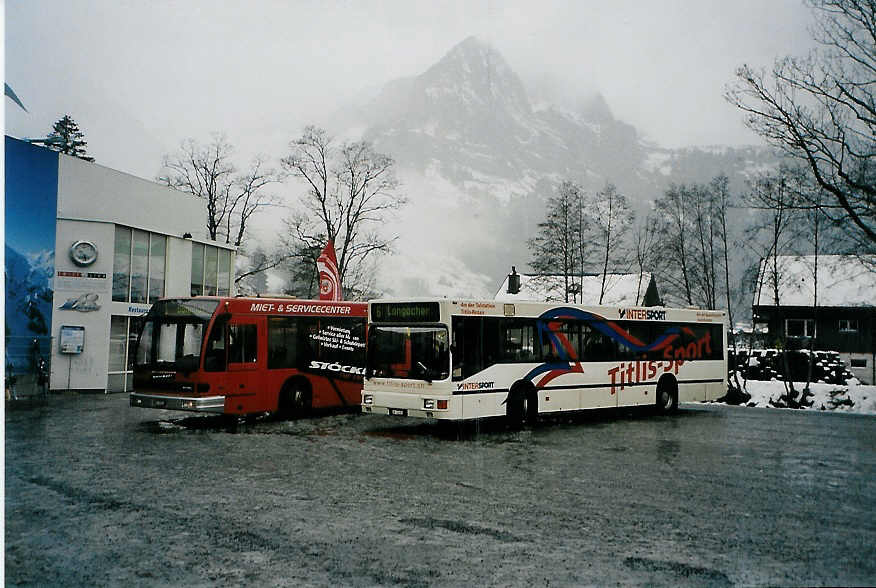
(417,406)
(214,404)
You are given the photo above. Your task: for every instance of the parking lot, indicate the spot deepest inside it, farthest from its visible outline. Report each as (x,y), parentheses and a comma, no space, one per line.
(98,493)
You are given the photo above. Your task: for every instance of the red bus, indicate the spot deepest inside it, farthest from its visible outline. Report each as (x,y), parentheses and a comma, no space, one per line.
(241,356)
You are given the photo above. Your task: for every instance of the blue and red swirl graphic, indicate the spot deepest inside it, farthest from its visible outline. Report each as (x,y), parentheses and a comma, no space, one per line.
(567,360)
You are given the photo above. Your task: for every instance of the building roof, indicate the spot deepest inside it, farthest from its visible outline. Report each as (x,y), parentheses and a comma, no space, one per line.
(843,281)
(620,289)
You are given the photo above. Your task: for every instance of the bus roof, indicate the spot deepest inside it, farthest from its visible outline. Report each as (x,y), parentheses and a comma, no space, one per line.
(288,306)
(534,309)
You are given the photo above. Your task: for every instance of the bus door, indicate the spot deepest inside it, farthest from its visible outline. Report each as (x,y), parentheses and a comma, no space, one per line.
(599,354)
(241,381)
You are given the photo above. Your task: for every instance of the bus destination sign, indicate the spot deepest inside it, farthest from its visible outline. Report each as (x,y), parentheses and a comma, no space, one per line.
(405,312)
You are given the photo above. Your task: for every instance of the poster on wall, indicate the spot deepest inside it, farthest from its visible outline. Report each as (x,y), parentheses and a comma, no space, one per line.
(31,208)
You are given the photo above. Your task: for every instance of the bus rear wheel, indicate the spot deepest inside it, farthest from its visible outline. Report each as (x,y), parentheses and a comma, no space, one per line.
(667,395)
(294,400)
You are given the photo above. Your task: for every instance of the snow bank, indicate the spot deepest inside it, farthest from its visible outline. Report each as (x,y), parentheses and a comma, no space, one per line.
(854,397)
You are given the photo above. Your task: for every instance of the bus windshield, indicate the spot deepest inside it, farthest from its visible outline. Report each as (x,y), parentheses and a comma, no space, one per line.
(413,353)
(173,329)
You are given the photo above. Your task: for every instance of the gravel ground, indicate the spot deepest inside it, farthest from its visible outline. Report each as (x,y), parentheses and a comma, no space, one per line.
(98,493)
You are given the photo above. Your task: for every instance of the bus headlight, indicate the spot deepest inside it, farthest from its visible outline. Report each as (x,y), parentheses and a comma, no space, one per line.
(428,404)
(367,399)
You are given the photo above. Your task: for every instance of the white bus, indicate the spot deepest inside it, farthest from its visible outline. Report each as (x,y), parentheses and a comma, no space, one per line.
(469,359)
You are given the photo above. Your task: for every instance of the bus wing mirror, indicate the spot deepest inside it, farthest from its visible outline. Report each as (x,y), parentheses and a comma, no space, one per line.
(427,372)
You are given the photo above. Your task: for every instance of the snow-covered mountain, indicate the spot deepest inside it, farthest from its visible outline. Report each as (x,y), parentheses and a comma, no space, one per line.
(28,296)
(477,161)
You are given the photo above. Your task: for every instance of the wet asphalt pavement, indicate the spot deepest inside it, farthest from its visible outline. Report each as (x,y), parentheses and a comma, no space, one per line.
(98,493)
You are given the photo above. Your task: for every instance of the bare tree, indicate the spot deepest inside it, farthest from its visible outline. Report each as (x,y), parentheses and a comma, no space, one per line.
(610,218)
(720,188)
(300,266)
(815,218)
(772,194)
(556,248)
(705,261)
(694,240)
(647,252)
(208,172)
(250,281)
(675,240)
(721,202)
(259,263)
(821,110)
(350,192)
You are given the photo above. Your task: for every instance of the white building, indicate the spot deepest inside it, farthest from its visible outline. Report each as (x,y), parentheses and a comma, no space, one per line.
(88,249)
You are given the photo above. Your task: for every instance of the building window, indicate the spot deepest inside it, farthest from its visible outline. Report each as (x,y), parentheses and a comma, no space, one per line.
(848,326)
(858,362)
(197,269)
(224,284)
(123,340)
(211,263)
(800,328)
(211,270)
(157,255)
(139,265)
(122,265)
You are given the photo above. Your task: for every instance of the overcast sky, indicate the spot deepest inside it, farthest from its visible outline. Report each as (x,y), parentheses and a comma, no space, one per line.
(141,76)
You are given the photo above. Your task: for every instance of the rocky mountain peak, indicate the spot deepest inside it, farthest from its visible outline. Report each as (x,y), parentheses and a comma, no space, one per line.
(474,73)
(596,108)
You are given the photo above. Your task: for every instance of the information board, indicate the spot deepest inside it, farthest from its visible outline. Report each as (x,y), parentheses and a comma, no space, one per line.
(72,339)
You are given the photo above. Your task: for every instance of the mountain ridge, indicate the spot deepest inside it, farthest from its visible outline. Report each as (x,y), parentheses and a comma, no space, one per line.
(478,162)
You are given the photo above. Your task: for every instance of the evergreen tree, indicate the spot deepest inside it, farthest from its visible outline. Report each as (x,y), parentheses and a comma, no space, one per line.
(557,248)
(67,138)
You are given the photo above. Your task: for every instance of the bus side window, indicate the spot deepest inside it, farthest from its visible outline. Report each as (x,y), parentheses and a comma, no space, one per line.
(547,349)
(242,343)
(596,346)
(640,332)
(518,341)
(214,360)
(282,342)
(467,341)
(457,347)
(560,341)
(491,342)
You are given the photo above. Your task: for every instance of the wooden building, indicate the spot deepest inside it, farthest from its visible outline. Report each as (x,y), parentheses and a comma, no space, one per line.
(842,317)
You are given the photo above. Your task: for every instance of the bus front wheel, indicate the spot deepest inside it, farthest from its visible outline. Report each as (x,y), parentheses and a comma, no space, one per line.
(294,400)
(521,408)
(667,395)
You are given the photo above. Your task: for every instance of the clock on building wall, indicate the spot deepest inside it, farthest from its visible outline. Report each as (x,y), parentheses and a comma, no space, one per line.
(83,253)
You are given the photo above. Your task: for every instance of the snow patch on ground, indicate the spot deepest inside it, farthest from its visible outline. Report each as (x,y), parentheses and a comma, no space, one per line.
(854,397)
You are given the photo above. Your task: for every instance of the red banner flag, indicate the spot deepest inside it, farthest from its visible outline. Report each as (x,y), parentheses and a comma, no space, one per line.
(329,279)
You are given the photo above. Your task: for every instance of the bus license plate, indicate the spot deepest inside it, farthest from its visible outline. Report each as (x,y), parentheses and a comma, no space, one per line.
(398,411)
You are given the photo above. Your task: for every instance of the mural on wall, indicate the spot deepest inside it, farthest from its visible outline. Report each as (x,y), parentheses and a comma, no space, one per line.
(31,206)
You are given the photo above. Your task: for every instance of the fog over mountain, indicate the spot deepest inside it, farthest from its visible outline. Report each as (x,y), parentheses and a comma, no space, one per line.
(477,161)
